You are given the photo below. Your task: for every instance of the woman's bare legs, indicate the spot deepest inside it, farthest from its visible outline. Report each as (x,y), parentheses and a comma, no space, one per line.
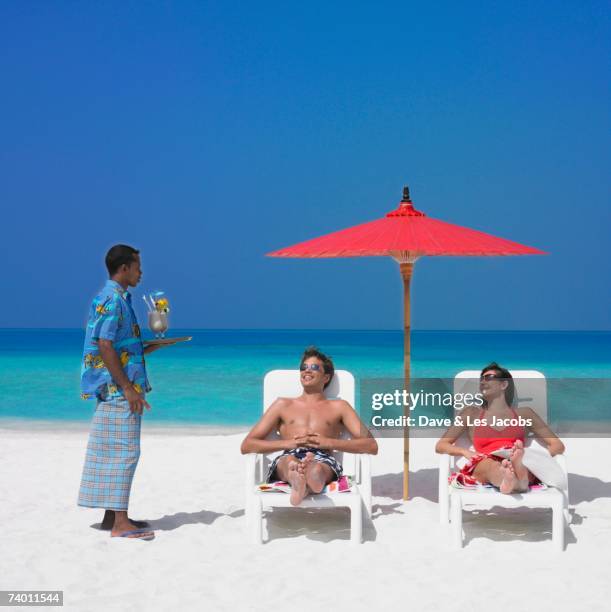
(522,474)
(501,475)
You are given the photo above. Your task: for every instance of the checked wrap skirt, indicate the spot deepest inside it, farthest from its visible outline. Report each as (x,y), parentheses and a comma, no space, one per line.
(112,455)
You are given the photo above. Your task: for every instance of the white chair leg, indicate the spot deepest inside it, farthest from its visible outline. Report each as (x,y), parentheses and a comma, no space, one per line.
(558,523)
(257,521)
(444,513)
(248,512)
(443,489)
(365,507)
(366,497)
(444,509)
(356,522)
(456,520)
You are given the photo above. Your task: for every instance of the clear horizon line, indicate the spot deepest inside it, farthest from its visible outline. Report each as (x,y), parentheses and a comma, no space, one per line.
(332,329)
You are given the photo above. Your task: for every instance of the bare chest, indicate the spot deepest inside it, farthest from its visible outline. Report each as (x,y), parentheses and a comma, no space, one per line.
(310,418)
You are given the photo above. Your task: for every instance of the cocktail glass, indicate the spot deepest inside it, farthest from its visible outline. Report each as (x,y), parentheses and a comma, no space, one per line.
(158,323)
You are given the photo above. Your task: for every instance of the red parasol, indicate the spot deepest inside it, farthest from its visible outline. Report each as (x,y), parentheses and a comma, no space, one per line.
(405,234)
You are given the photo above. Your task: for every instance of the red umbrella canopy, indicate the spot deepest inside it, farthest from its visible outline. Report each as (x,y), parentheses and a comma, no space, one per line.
(405,234)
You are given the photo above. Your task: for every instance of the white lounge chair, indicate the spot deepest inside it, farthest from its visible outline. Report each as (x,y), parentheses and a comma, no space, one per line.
(531,390)
(286,383)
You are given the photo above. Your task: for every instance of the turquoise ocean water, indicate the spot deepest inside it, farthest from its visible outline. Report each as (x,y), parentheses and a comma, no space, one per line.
(216,379)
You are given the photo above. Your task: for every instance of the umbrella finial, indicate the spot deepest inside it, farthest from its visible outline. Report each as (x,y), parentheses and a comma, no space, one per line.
(406,207)
(406,197)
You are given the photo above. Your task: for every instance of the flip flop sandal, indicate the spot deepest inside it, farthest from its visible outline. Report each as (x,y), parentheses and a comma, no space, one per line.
(135,532)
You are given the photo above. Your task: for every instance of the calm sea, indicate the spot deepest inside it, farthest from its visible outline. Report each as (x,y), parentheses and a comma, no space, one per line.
(216,379)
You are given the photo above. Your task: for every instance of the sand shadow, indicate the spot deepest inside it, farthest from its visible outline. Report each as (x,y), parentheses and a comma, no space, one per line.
(378,510)
(179,519)
(514,524)
(422,483)
(587,488)
(497,523)
(174,521)
(318,524)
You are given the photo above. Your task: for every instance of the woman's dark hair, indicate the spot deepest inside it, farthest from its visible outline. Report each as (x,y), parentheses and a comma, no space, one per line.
(327,364)
(503,374)
(118,255)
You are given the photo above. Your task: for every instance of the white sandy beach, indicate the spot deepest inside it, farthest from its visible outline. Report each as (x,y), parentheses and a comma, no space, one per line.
(190,486)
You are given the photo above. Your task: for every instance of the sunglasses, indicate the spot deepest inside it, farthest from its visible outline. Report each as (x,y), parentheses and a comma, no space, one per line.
(491,377)
(314,367)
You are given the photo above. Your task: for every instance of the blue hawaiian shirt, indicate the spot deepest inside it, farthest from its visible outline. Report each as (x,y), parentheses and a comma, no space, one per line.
(112,317)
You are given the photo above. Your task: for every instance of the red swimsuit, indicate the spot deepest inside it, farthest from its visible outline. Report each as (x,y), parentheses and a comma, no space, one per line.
(487,439)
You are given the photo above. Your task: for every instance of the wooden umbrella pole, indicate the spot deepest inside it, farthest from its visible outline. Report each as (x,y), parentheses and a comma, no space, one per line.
(406,273)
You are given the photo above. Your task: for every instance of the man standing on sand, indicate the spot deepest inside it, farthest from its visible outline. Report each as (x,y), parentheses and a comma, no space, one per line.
(113,372)
(310,426)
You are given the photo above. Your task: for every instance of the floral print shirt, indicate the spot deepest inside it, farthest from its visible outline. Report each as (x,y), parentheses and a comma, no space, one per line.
(112,317)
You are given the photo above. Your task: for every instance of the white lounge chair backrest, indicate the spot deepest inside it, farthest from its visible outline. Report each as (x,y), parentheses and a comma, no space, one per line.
(286,383)
(531,391)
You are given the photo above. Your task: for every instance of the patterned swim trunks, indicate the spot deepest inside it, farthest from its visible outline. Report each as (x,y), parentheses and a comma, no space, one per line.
(322,456)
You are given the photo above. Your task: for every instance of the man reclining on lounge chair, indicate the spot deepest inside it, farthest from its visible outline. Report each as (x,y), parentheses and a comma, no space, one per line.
(309,426)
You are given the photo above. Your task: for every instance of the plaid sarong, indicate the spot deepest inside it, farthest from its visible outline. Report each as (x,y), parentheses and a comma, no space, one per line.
(112,456)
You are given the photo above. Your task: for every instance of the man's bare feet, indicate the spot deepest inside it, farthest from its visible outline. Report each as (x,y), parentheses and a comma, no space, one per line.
(296,479)
(307,461)
(509,481)
(109,520)
(317,476)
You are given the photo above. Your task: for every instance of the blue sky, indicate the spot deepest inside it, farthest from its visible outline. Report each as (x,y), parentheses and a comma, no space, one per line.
(207,134)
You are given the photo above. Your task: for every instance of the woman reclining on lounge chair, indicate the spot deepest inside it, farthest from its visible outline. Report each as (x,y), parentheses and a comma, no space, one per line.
(500,426)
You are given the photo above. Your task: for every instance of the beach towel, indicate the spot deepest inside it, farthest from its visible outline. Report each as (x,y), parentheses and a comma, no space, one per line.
(536,459)
(343,485)
(112,455)
(462,481)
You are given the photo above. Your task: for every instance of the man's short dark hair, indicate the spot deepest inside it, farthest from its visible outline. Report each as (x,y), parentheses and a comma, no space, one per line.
(118,255)
(327,364)
(503,374)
